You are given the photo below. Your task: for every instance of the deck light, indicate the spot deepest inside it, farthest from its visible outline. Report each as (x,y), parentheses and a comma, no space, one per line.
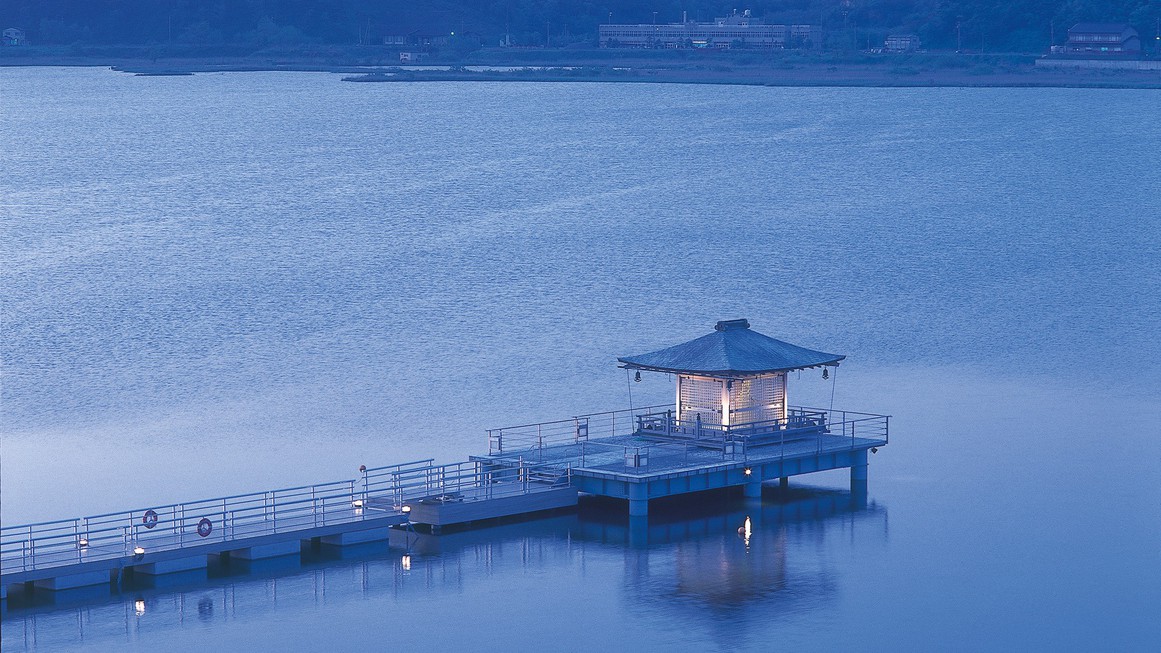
(83,542)
(749,471)
(138,551)
(358,503)
(874,449)
(825,373)
(637,376)
(406,509)
(139,607)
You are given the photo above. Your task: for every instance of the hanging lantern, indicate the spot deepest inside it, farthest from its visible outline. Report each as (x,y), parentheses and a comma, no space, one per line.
(825,373)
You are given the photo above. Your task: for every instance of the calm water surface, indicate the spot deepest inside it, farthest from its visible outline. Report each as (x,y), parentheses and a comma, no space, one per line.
(228,283)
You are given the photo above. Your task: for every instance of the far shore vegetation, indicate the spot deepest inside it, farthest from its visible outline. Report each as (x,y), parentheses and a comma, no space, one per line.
(965,42)
(241,27)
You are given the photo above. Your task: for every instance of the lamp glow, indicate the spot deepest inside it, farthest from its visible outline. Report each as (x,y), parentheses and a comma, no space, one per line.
(83,542)
(749,471)
(406,509)
(405,561)
(358,503)
(139,607)
(138,551)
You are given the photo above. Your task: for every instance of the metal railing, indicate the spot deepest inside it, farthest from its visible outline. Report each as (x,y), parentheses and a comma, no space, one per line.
(399,486)
(670,442)
(175,526)
(665,424)
(529,437)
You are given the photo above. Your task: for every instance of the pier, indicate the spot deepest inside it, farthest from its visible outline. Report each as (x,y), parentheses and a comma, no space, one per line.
(730,426)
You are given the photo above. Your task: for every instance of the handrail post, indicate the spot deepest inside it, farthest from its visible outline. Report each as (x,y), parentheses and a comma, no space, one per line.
(669,422)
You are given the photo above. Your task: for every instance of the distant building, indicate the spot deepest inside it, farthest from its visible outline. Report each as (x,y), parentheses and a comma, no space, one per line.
(901,43)
(412,57)
(13,36)
(1102,39)
(423,37)
(737,30)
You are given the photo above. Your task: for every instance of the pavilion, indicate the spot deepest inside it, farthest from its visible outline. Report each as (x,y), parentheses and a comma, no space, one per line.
(730,425)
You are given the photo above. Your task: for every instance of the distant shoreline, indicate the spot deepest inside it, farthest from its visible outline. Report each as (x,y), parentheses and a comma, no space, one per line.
(818,76)
(732,68)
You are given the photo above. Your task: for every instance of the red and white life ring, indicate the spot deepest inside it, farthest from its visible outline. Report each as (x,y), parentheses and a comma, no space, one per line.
(149,519)
(205,527)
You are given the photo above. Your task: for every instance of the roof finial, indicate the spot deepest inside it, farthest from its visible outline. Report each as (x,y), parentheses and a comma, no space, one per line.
(724,325)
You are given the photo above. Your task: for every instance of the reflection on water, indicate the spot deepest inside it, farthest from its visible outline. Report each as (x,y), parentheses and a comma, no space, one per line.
(688,560)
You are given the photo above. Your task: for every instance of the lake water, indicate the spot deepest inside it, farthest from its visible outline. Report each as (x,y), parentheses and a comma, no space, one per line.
(234,282)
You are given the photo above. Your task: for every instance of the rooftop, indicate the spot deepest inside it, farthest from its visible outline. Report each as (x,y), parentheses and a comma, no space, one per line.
(733,349)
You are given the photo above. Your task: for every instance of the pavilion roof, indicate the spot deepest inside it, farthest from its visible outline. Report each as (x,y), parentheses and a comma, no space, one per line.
(731,350)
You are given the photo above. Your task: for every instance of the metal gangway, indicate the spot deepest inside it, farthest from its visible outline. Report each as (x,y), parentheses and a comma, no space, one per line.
(380,496)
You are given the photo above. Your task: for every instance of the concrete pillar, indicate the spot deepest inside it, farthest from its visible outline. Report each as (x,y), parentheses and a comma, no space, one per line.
(859,472)
(358,537)
(638,500)
(72,581)
(172,566)
(752,489)
(263,551)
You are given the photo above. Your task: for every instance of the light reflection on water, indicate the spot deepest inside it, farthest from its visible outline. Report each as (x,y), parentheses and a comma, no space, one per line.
(687,564)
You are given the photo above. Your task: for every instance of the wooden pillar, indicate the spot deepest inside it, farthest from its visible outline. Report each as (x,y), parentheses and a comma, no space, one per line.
(725,402)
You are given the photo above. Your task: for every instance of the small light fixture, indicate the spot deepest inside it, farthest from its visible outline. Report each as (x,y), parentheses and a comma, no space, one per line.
(358,503)
(874,449)
(139,607)
(406,509)
(825,373)
(405,561)
(637,376)
(362,468)
(749,471)
(83,542)
(138,551)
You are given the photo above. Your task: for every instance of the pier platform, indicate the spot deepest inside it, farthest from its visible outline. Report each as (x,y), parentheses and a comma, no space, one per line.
(645,454)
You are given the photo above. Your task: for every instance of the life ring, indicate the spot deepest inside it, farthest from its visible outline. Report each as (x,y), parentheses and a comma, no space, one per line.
(149,519)
(205,527)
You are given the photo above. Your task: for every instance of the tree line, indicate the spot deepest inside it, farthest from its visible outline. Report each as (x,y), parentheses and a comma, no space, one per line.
(981,25)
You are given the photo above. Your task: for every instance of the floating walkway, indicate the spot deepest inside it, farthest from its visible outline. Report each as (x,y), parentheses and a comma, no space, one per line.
(100,549)
(731,426)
